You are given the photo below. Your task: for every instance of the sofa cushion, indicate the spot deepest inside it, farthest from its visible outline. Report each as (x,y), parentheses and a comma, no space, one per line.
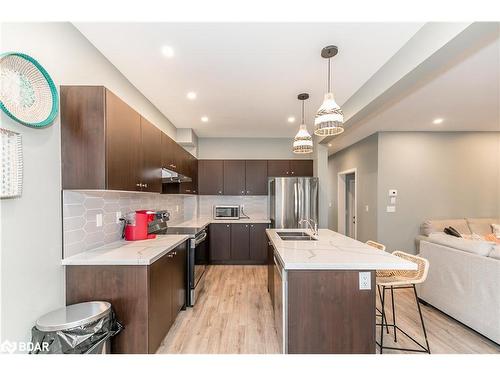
(482,226)
(482,248)
(495,253)
(433,226)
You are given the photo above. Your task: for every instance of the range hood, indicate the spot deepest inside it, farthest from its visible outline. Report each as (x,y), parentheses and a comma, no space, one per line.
(172,177)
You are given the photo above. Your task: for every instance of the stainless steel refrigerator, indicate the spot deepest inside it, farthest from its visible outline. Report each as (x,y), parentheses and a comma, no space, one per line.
(292,199)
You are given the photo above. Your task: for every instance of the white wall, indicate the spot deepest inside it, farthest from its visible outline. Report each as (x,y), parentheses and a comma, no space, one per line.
(247,148)
(362,156)
(438,175)
(32,279)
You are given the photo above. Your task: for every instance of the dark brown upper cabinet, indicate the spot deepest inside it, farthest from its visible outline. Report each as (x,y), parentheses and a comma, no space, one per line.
(301,168)
(290,168)
(168,152)
(256,177)
(211,177)
(278,168)
(103,145)
(234,177)
(150,157)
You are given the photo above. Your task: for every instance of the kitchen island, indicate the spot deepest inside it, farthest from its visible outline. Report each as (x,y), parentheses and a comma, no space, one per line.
(323,291)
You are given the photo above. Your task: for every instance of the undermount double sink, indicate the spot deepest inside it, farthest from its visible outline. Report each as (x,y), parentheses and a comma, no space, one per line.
(295,236)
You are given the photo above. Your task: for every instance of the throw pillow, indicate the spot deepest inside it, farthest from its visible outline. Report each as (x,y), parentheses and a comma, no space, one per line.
(496,230)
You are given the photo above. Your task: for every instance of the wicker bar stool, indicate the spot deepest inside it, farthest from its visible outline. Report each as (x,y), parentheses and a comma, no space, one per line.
(401,279)
(381,247)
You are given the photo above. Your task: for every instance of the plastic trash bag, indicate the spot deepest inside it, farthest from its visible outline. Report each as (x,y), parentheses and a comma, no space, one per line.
(87,339)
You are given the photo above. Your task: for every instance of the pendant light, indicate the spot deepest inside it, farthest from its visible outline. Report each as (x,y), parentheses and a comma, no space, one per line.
(329,118)
(303,143)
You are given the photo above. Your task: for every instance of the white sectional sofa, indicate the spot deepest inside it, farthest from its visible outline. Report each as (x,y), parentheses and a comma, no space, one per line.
(464,274)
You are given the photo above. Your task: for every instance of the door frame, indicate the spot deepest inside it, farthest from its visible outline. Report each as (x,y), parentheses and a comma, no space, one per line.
(341,199)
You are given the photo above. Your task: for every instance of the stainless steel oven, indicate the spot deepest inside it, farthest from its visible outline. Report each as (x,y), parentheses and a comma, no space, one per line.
(198,261)
(226,212)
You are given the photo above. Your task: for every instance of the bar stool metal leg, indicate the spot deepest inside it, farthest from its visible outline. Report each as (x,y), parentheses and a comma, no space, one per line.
(382,325)
(421,319)
(383,318)
(393,315)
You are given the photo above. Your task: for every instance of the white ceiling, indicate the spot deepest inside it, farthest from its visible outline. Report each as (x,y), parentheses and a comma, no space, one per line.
(465,94)
(247,76)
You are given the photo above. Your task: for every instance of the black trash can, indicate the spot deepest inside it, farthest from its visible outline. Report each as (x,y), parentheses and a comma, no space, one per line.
(83,328)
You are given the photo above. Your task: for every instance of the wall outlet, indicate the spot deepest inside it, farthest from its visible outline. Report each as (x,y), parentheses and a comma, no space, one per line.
(391,208)
(98,220)
(177,208)
(365,281)
(118,216)
(367,208)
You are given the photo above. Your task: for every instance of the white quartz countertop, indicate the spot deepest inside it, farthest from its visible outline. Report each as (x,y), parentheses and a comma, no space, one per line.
(333,250)
(202,222)
(126,253)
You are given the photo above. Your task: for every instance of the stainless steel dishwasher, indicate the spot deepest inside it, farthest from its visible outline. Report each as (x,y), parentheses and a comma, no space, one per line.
(279,298)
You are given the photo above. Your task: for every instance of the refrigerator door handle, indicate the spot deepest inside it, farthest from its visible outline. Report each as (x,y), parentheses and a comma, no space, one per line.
(296,203)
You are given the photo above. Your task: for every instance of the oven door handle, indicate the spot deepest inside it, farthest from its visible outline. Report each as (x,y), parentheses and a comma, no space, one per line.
(200,239)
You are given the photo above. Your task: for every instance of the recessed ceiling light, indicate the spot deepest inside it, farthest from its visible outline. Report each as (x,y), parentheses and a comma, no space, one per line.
(191,95)
(437,121)
(204,119)
(167,51)
(291,119)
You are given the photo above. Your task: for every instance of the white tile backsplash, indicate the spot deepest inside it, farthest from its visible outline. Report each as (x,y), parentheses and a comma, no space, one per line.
(254,206)
(80,208)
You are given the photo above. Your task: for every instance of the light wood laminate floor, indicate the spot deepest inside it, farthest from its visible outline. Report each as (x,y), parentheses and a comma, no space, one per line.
(234,315)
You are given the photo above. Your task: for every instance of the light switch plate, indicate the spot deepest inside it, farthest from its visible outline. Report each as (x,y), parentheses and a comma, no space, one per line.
(393,200)
(393,193)
(365,281)
(391,208)
(98,220)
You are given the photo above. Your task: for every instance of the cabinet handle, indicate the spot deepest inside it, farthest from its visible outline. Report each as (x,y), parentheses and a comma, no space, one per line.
(286,172)
(138,185)
(170,255)
(251,225)
(246,226)
(145,185)
(248,191)
(293,172)
(220,192)
(243,192)
(227,225)
(194,191)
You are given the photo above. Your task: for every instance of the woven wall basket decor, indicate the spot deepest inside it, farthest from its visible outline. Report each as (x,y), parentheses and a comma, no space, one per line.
(27,93)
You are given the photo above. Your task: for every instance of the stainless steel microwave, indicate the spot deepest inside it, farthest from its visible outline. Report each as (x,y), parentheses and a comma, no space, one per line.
(226,212)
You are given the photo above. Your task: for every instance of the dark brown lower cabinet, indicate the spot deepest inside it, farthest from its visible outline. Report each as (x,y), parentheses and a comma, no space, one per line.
(220,243)
(322,311)
(146,299)
(238,243)
(270,271)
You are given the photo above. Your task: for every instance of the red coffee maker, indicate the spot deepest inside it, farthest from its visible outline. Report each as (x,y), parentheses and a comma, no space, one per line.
(136,225)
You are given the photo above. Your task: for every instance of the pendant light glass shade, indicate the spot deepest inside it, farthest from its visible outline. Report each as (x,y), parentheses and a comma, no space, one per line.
(303,142)
(329,118)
